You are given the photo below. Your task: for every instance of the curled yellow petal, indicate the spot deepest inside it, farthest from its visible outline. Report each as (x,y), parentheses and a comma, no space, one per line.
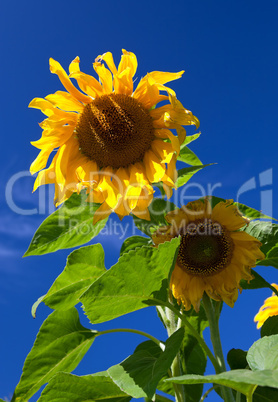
(56,68)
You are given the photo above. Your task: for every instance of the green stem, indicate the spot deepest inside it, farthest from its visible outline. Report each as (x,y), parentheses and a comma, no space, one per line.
(249,396)
(134,331)
(208,391)
(196,334)
(176,370)
(216,343)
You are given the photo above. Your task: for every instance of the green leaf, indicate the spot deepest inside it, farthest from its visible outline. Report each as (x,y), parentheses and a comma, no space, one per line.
(186,173)
(265,394)
(271,258)
(248,212)
(243,381)
(83,267)
(188,156)
(266,233)
(60,345)
(237,359)
(133,242)
(139,277)
(257,283)
(263,354)
(140,373)
(251,213)
(190,138)
(69,226)
(65,387)
(270,326)
(158,209)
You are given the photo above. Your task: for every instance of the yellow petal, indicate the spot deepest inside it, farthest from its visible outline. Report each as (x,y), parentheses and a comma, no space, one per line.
(128,60)
(88,173)
(158,112)
(65,101)
(147,93)
(105,77)
(165,133)
(123,83)
(154,168)
(163,150)
(95,196)
(88,84)
(243,236)
(163,77)
(56,68)
(122,208)
(74,65)
(110,192)
(66,164)
(108,58)
(142,214)
(167,189)
(171,169)
(46,176)
(102,212)
(46,107)
(53,138)
(181,134)
(228,215)
(40,161)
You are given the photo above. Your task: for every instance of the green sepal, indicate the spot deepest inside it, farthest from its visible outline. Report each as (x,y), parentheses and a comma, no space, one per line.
(69,226)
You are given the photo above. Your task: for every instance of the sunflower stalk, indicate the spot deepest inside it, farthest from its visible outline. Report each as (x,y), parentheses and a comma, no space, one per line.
(172,325)
(196,334)
(213,320)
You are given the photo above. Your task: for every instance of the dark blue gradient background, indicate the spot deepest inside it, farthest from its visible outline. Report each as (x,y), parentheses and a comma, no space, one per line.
(229,53)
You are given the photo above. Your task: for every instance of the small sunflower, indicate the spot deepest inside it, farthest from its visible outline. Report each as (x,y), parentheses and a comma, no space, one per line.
(268,309)
(213,255)
(108,138)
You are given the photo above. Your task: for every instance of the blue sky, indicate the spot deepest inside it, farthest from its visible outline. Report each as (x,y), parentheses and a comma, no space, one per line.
(229,53)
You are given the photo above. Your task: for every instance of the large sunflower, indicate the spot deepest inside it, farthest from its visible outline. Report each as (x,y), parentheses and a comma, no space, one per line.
(268,309)
(213,255)
(110,140)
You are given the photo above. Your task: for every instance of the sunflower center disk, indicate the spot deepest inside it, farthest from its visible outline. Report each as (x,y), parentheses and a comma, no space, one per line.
(206,248)
(115,130)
